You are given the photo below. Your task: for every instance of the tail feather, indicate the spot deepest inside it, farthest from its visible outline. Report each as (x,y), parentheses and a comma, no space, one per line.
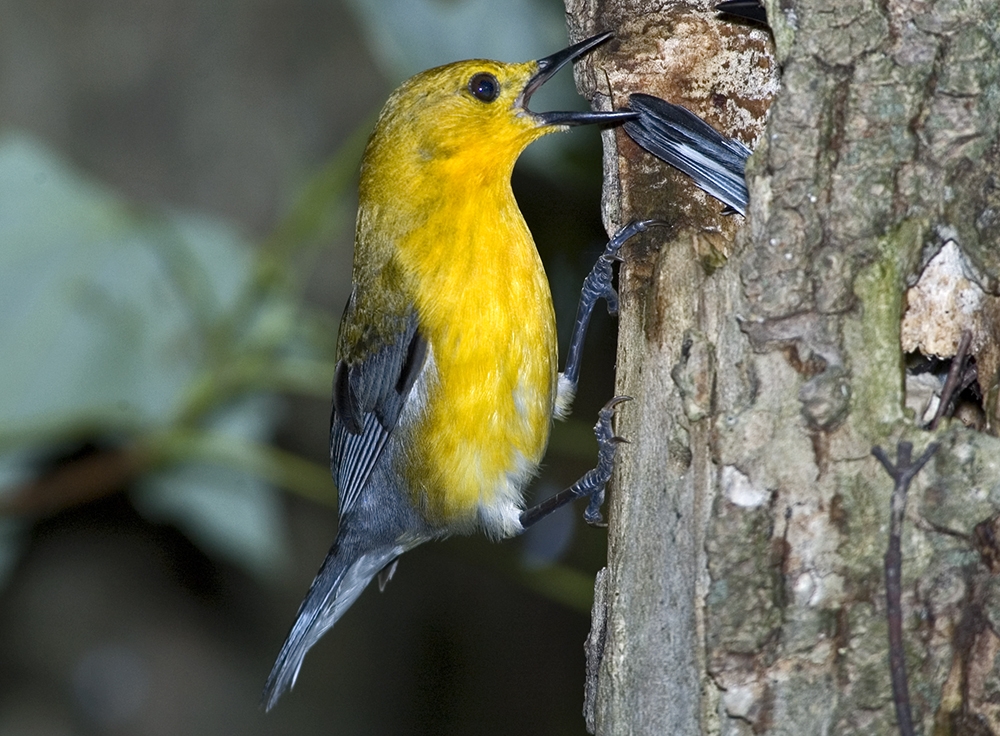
(346,572)
(685,141)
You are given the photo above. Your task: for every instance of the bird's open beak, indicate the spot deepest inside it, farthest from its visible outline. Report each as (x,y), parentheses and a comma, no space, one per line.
(549,66)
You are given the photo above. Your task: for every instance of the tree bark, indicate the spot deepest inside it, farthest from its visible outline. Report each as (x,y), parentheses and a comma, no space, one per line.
(748,519)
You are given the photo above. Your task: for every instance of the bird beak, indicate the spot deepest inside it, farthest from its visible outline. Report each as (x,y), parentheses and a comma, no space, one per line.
(548,66)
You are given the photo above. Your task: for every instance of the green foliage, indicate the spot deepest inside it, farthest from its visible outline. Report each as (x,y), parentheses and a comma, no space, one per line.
(163,335)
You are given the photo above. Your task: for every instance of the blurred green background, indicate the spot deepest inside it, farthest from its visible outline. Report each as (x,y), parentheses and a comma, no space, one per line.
(176,216)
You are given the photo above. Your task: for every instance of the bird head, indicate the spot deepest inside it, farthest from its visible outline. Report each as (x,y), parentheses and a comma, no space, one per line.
(473,116)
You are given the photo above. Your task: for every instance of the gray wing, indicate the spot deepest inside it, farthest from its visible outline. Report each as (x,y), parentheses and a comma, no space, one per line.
(368,396)
(685,141)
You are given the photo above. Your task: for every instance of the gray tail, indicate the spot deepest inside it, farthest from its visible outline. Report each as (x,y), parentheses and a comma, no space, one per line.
(346,571)
(685,141)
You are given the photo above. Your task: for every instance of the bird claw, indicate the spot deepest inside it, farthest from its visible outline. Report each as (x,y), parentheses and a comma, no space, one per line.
(612,300)
(612,254)
(607,442)
(608,410)
(592,515)
(604,275)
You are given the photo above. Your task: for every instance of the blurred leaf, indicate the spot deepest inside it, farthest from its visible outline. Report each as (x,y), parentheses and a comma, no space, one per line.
(227,513)
(102,307)
(226,510)
(280,467)
(121,326)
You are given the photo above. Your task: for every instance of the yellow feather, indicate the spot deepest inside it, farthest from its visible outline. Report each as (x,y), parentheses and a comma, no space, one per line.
(488,317)
(470,267)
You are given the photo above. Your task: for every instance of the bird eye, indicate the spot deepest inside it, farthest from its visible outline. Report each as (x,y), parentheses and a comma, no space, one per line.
(484,87)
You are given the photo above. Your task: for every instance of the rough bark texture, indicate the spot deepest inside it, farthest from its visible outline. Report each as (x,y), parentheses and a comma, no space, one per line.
(744,591)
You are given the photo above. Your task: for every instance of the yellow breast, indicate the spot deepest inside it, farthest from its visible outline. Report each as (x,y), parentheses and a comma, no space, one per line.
(486,312)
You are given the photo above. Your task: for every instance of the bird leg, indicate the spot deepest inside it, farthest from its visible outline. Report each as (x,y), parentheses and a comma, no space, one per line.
(596,286)
(593,481)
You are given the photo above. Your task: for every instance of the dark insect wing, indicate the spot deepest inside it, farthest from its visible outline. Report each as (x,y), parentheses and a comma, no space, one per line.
(749,9)
(685,141)
(368,397)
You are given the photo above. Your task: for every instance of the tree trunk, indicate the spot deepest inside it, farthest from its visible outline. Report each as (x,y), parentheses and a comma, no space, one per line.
(745,590)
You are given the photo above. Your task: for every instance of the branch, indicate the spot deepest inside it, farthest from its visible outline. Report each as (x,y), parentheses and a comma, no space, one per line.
(902,474)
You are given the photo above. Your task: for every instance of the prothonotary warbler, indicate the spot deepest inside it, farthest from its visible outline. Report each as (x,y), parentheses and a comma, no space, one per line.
(447,380)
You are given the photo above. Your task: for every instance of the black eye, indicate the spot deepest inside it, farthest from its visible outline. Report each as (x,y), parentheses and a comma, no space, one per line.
(484,87)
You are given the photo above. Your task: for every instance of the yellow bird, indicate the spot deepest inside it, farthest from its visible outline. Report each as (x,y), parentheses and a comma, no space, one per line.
(447,378)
